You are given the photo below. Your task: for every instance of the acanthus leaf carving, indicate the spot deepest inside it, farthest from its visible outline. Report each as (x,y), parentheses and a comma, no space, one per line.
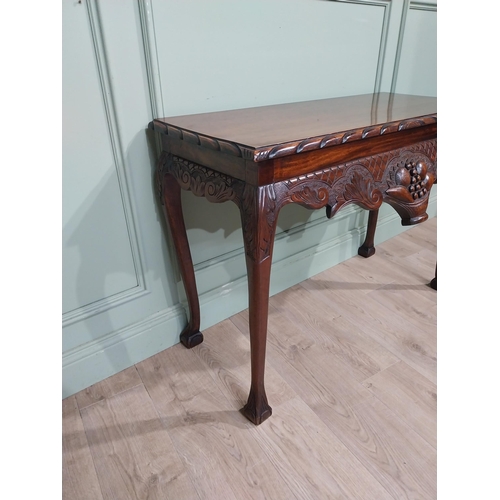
(257,204)
(362,190)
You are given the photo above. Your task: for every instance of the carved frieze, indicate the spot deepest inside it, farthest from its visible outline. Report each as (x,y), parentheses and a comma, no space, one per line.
(368,182)
(202,181)
(402,178)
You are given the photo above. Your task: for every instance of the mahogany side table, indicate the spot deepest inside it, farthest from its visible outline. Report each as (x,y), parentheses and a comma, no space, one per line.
(364,149)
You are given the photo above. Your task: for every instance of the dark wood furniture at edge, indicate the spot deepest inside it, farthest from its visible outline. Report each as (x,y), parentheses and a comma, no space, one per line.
(365,150)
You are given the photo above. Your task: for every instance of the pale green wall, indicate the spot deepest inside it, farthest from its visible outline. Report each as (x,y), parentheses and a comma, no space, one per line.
(125,62)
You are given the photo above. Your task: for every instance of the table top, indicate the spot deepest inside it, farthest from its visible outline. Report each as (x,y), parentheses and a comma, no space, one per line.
(267,132)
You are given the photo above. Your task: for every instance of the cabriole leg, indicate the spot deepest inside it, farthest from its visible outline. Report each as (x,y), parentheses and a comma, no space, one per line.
(367,249)
(258,215)
(171,197)
(257,409)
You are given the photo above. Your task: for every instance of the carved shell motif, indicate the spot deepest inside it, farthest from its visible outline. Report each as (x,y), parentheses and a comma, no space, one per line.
(412,182)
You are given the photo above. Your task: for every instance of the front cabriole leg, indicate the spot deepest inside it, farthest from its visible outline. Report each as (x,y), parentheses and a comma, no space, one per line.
(259,212)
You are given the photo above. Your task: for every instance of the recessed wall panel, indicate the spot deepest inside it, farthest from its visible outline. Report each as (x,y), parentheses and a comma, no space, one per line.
(417,71)
(97,257)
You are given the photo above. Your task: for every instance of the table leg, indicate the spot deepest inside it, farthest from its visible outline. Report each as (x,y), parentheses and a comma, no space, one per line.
(257,409)
(434,282)
(367,249)
(171,197)
(258,217)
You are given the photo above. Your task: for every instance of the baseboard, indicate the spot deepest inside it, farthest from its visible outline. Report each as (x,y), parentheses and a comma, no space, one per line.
(97,360)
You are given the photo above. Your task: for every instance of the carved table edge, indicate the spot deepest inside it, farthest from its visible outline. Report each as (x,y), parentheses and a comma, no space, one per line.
(291,147)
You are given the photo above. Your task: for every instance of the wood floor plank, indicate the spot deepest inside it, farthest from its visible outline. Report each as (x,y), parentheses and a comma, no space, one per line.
(226,352)
(423,261)
(363,276)
(412,343)
(133,453)
(410,395)
(384,268)
(423,235)
(415,307)
(79,477)
(339,339)
(337,404)
(301,303)
(418,267)
(398,457)
(315,463)
(222,459)
(107,388)
(313,373)
(402,245)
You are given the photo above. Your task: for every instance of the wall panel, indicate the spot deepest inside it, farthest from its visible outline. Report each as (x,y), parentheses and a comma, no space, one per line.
(97,256)
(417,68)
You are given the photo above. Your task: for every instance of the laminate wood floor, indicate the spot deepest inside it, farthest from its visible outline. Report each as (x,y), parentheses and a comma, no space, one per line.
(350,374)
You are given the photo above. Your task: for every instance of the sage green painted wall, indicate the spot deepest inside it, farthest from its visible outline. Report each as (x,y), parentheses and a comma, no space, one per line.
(127,62)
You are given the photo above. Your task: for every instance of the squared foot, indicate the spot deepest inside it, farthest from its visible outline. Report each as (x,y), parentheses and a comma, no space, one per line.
(256,416)
(366,251)
(191,339)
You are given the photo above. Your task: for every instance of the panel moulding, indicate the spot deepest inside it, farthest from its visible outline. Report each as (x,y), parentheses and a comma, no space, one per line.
(151,56)
(386,4)
(155,91)
(408,5)
(106,303)
(429,6)
(103,305)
